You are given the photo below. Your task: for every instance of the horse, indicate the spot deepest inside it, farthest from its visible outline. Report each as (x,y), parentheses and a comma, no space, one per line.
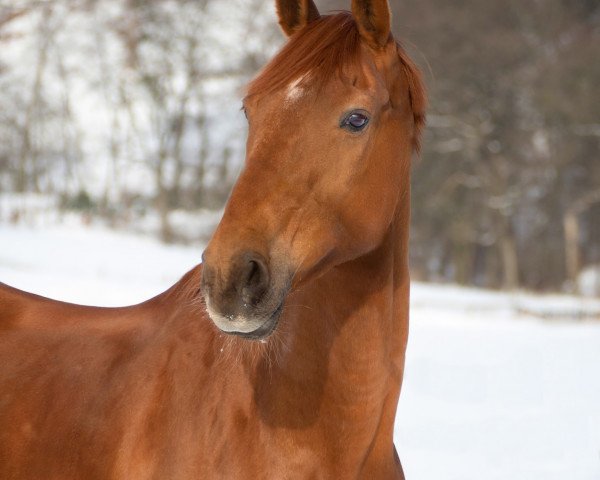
(281,355)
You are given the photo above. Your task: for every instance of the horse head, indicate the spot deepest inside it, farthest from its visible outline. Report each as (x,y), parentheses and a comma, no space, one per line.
(333,120)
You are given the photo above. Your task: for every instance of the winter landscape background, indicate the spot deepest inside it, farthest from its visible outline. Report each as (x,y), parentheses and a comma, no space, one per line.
(121,136)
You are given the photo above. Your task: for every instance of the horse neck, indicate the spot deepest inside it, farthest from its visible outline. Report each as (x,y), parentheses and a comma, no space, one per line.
(329,377)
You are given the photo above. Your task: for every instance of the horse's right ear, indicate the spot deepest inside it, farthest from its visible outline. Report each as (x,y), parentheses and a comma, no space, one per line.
(373,20)
(295,14)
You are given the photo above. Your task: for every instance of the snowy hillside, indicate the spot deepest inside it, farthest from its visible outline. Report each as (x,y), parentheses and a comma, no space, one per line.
(496,386)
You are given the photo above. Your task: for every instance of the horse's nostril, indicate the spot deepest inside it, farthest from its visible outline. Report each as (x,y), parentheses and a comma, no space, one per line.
(255,281)
(254,274)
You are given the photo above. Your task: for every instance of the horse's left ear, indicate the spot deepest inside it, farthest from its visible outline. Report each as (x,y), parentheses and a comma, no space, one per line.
(295,14)
(373,19)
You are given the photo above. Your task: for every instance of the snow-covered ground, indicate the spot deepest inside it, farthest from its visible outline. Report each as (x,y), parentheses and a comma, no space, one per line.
(497,386)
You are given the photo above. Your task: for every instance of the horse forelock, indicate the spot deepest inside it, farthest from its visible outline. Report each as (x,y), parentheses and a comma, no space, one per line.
(323,48)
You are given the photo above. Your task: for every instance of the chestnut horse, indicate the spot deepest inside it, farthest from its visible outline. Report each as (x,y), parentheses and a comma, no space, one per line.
(279,357)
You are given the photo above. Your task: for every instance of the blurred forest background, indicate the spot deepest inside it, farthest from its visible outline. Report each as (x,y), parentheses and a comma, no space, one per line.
(129,111)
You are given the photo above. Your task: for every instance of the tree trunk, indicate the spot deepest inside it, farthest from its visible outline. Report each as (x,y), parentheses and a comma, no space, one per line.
(510,262)
(162,200)
(572,261)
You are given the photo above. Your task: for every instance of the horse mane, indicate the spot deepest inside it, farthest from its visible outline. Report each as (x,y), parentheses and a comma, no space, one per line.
(326,47)
(417,95)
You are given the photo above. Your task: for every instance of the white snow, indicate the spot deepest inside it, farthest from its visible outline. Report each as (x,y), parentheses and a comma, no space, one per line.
(497,386)
(491,395)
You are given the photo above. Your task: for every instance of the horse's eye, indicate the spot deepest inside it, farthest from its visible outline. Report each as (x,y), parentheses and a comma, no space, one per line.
(355,121)
(243,109)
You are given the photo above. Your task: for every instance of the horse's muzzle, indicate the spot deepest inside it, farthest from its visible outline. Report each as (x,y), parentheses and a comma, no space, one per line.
(245,299)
